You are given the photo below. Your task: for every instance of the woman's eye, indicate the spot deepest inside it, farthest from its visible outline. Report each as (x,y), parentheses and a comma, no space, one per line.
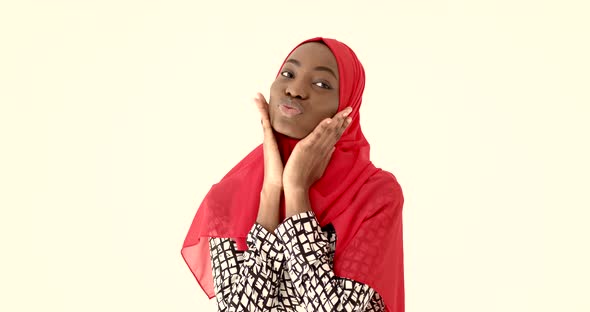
(323,85)
(287,74)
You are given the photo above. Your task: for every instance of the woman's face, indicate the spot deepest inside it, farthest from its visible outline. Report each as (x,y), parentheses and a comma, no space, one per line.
(305,92)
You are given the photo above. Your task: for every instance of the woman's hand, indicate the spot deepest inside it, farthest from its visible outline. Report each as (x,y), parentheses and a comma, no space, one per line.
(311,155)
(270,195)
(273,165)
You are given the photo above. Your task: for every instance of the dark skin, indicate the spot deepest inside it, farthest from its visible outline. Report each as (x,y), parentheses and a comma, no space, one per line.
(315,89)
(310,77)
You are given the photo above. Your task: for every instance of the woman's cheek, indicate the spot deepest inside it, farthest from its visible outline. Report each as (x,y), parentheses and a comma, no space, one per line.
(276,86)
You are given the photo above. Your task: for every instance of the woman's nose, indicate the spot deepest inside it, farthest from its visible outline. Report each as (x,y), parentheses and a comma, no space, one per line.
(296,89)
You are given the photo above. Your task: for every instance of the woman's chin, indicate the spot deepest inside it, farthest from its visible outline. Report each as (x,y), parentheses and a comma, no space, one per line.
(287,130)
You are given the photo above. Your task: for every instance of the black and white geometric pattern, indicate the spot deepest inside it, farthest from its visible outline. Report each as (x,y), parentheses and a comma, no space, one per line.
(247,281)
(288,270)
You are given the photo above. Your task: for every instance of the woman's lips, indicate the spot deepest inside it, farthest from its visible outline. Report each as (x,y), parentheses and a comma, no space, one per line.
(289,111)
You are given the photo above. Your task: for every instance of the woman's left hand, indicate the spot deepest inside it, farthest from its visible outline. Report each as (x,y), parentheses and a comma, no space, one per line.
(311,155)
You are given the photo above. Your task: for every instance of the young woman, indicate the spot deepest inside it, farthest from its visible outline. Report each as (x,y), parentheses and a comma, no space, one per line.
(305,222)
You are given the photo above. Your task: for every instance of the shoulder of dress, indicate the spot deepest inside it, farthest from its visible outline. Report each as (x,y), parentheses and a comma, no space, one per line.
(383,183)
(384,192)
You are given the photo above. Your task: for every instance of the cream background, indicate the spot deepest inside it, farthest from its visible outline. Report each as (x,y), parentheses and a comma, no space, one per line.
(117,116)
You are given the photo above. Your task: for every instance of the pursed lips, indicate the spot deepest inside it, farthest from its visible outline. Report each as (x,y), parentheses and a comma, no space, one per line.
(292,104)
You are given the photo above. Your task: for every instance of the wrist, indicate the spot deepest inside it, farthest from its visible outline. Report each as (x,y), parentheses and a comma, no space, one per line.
(296,201)
(294,189)
(268,211)
(271,190)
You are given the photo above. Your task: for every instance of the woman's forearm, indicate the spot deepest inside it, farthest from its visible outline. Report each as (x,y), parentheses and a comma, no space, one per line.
(268,211)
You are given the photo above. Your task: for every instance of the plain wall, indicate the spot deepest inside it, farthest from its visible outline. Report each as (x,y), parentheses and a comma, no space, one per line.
(117,116)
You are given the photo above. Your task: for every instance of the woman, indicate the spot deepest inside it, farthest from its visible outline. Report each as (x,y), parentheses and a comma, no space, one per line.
(305,222)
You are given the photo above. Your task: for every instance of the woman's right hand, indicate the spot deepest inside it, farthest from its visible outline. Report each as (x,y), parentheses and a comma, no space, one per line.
(273,165)
(270,195)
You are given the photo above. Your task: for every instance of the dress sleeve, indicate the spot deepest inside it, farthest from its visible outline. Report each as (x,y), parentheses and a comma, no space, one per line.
(246,280)
(308,265)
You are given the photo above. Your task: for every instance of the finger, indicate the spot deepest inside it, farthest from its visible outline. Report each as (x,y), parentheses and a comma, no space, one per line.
(327,133)
(261,105)
(329,130)
(339,123)
(344,114)
(344,126)
(269,144)
(346,119)
(263,110)
(340,118)
(315,136)
(261,97)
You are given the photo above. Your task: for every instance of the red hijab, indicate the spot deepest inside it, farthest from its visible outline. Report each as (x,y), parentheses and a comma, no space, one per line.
(362,202)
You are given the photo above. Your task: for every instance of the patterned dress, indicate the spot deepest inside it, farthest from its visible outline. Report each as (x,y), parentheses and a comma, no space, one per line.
(288,270)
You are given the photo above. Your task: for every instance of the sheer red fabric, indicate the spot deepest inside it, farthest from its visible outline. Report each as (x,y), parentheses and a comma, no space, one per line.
(362,202)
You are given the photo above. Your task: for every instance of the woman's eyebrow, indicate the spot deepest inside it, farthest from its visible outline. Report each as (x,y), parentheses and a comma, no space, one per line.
(321,68)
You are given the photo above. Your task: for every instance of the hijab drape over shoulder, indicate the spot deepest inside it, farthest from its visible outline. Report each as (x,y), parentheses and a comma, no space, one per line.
(362,202)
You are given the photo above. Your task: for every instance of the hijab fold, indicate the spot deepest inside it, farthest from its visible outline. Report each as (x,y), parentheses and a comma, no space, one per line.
(362,202)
